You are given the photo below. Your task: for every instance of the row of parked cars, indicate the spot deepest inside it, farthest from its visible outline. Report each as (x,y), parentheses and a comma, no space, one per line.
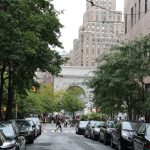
(14,134)
(122,135)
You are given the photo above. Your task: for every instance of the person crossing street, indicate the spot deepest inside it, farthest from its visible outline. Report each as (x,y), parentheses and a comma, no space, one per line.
(58,125)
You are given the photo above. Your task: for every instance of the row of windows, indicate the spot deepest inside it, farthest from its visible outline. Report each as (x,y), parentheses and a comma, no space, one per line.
(136,13)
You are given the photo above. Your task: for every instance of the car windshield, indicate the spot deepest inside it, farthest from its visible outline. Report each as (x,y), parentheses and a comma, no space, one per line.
(7,130)
(129,126)
(99,124)
(36,120)
(23,123)
(148,131)
(83,123)
(93,123)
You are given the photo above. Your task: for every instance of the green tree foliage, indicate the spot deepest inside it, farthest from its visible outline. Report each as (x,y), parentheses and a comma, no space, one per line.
(118,81)
(71,103)
(29,36)
(42,100)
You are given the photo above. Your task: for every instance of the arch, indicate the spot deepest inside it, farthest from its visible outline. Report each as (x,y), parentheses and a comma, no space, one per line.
(79,92)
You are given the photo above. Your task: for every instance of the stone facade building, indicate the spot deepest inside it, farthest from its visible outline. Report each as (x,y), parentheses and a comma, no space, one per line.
(137,23)
(137,19)
(100,31)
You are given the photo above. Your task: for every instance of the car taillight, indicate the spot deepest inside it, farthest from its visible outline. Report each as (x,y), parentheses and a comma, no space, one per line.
(147,147)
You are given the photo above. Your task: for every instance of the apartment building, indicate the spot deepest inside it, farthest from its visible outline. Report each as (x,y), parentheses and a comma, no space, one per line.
(137,18)
(100,31)
(137,23)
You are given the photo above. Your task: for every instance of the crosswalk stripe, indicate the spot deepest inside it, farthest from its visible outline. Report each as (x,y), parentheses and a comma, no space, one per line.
(65,131)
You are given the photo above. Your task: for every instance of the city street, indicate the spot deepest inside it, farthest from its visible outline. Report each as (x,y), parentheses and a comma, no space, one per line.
(66,140)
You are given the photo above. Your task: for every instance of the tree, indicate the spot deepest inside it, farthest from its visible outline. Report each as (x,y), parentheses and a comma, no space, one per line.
(29,35)
(41,100)
(118,81)
(71,103)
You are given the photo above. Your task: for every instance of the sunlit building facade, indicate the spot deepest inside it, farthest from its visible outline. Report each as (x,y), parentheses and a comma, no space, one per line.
(100,31)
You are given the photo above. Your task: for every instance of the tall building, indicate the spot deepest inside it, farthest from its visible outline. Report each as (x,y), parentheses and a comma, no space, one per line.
(100,31)
(137,23)
(137,18)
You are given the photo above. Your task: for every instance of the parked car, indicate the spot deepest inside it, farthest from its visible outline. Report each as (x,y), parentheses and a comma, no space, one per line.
(37,123)
(88,128)
(11,132)
(122,135)
(105,132)
(27,128)
(96,129)
(5,144)
(80,127)
(141,138)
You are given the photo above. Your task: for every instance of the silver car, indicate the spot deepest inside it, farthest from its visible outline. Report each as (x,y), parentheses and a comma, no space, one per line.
(9,140)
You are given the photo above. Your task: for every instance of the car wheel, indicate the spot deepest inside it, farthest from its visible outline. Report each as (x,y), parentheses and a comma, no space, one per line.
(31,141)
(100,140)
(133,147)
(77,131)
(120,146)
(85,134)
(91,136)
(105,140)
(94,137)
(111,143)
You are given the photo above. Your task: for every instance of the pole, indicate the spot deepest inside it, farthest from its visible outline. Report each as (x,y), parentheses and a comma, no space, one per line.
(16,111)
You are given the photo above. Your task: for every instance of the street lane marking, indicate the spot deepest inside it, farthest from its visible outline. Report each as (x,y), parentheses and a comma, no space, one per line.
(65,131)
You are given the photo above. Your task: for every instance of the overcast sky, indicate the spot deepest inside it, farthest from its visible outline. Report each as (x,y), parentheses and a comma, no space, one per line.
(72,19)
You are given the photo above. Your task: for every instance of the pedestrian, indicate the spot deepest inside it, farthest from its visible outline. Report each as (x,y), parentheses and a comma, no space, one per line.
(58,125)
(141,119)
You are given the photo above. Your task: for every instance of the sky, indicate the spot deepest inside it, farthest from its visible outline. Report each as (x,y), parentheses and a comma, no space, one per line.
(72,19)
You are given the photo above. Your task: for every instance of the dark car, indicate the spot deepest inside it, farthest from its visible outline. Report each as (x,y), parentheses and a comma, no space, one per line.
(27,128)
(96,129)
(141,138)
(122,135)
(37,123)
(88,128)
(11,132)
(105,132)
(80,128)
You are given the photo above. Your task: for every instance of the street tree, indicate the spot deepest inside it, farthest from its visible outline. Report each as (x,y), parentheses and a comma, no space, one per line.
(39,100)
(29,36)
(119,79)
(71,103)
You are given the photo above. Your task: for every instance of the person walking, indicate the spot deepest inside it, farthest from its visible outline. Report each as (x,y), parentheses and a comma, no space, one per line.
(58,125)
(142,119)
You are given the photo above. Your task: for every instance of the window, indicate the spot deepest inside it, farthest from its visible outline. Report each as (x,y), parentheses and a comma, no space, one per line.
(135,14)
(126,23)
(139,9)
(146,4)
(93,52)
(132,17)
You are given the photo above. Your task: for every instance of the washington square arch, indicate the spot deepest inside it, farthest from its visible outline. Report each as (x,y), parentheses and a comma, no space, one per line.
(76,77)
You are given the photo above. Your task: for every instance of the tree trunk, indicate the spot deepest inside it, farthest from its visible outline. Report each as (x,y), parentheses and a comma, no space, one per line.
(1,90)
(73,115)
(130,113)
(10,97)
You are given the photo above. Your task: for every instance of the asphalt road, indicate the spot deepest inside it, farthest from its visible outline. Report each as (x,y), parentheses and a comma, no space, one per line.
(66,140)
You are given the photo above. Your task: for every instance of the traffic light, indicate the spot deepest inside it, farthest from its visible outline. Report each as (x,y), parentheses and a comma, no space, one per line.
(33,89)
